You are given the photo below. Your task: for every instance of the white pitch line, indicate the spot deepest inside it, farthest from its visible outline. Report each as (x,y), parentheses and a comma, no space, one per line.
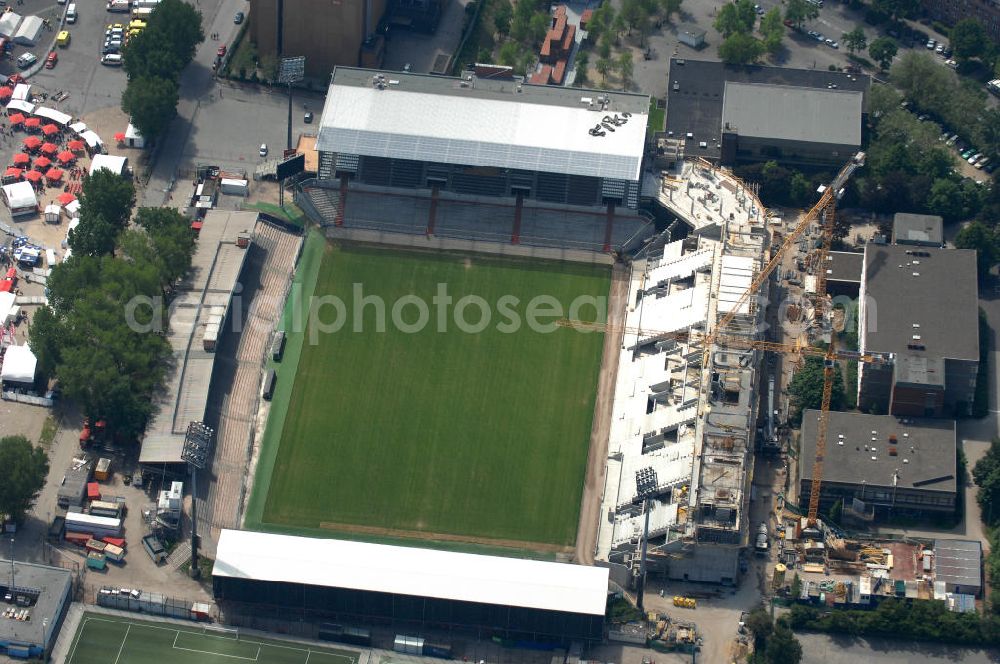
(220,654)
(127,630)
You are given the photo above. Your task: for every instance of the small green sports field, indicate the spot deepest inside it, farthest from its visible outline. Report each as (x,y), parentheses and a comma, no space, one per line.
(106,639)
(469,437)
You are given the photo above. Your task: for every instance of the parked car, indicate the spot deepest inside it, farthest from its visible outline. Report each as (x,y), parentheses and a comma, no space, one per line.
(112,60)
(940,49)
(51,60)
(25,60)
(238,18)
(222,51)
(931,44)
(951,139)
(308,118)
(989,168)
(263,149)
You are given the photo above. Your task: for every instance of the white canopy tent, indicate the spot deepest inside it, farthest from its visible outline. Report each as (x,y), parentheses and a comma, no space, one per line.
(72,208)
(133,138)
(58,117)
(78,127)
(108,162)
(22,91)
(19,365)
(8,24)
(8,304)
(20,106)
(29,31)
(20,198)
(92,140)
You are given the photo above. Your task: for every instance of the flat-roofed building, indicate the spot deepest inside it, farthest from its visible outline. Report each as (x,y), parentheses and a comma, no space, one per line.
(409,588)
(881,465)
(926,230)
(919,304)
(39,597)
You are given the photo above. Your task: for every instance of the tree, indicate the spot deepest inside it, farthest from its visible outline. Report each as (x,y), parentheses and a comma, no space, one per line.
(633,13)
(670,7)
(783,647)
(773,30)
(946,199)
(796,587)
(509,54)
(604,66)
(735,17)
(883,50)
(986,474)
(978,236)
(93,236)
(152,103)
(968,39)
(22,475)
(180,22)
(800,11)
(760,625)
(502,17)
(740,49)
(108,195)
(168,238)
(539,26)
(625,66)
(582,67)
(806,387)
(855,40)
(520,28)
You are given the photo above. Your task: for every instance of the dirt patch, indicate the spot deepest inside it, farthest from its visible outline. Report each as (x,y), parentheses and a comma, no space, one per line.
(445,537)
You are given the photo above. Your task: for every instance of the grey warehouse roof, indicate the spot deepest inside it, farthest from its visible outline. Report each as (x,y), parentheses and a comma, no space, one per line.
(807,115)
(482,123)
(925,292)
(959,562)
(926,450)
(54,584)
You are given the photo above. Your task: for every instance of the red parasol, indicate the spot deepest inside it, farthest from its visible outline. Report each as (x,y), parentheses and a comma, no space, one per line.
(75,146)
(21,158)
(5,92)
(66,157)
(54,174)
(42,163)
(34,176)
(32,142)
(12,172)
(120,137)
(33,123)
(17,118)
(50,148)
(50,129)
(66,198)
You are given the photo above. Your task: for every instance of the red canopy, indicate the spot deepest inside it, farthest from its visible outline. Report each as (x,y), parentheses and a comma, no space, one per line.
(120,137)
(50,148)
(32,142)
(33,122)
(12,172)
(12,273)
(76,146)
(54,174)
(66,198)
(34,176)
(17,118)
(6,285)
(21,158)
(5,92)
(50,129)
(42,163)
(66,156)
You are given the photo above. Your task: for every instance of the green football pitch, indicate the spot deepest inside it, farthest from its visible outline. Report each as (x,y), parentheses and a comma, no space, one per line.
(438,433)
(104,639)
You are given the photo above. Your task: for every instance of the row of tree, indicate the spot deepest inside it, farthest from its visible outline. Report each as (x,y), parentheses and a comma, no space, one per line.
(94,333)
(736,20)
(154,60)
(774,642)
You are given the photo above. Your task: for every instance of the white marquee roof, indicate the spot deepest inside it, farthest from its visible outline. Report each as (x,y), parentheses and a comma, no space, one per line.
(455,129)
(19,195)
(18,365)
(412,571)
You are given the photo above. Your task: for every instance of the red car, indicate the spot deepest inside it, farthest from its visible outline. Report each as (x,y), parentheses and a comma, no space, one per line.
(51,60)
(14,79)
(222,51)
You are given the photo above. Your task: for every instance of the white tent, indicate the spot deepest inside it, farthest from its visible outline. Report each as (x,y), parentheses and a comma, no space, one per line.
(52,211)
(58,117)
(20,198)
(109,163)
(78,127)
(8,24)
(7,307)
(133,138)
(20,106)
(92,140)
(19,365)
(22,91)
(72,208)
(27,34)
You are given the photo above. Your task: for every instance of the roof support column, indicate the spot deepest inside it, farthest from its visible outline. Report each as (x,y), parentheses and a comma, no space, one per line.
(515,236)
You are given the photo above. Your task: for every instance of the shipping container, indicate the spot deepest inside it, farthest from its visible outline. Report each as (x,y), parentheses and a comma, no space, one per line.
(99,526)
(80,539)
(114,553)
(117,541)
(270,381)
(106,509)
(96,560)
(154,548)
(93,491)
(201,611)
(103,471)
(96,546)
(233,187)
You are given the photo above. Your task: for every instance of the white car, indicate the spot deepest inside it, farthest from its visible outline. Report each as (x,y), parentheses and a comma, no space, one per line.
(112,60)
(931,44)
(263,149)
(25,60)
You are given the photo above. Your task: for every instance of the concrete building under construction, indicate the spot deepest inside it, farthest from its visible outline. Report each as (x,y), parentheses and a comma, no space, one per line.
(682,436)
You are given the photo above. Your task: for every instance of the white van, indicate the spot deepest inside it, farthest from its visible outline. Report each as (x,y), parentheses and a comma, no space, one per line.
(71,13)
(112,60)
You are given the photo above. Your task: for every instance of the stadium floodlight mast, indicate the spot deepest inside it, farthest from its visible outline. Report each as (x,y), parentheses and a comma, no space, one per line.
(196,451)
(292,70)
(645,486)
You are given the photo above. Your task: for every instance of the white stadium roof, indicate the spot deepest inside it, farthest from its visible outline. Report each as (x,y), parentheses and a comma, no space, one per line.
(416,572)
(441,120)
